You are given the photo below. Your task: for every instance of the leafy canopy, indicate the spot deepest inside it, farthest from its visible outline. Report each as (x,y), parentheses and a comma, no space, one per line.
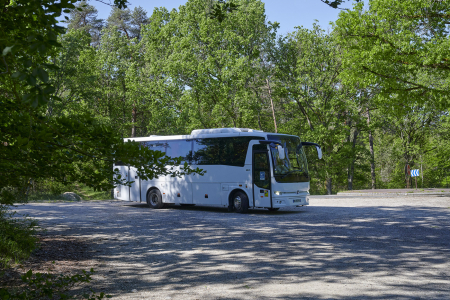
(401,46)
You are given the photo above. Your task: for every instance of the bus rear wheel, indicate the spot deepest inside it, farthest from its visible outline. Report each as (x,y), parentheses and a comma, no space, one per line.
(154,199)
(240,202)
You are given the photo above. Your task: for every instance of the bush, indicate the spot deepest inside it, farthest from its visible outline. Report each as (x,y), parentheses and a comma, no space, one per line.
(48,190)
(17,239)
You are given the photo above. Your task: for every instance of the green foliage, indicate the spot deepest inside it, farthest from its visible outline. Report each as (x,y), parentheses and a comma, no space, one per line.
(84,17)
(336,3)
(428,152)
(29,33)
(50,286)
(75,148)
(60,137)
(88,193)
(315,105)
(69,98)
(215,63)
(17,239)
(221,8)
(400,46)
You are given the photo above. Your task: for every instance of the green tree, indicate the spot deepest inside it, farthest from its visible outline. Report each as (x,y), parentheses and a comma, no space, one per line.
(84,17)
(158,94)
(409,138)
(128,22)
(336,3)
(434,159)
(316,105)
(401,46)
(216,61)
(42,139)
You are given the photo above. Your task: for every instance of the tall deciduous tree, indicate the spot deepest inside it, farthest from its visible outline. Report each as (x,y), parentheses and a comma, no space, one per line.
(216,61)
(316,105)
(35,142)
(402,46)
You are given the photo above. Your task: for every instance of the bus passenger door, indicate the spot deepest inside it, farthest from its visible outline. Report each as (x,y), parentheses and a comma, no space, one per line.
(261,177)
(124,191)
(135,189)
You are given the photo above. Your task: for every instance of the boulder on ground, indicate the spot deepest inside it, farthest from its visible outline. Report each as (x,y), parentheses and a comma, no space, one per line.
(71,196)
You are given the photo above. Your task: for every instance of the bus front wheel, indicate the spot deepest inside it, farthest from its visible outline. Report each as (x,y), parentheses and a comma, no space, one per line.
(154,199)
(240,202)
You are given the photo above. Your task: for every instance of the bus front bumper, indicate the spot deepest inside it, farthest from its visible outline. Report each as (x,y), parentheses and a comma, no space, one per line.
(297,200)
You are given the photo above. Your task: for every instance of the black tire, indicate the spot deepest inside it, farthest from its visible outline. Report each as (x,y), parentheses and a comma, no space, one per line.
(273,209)
(240,202)
(154,199)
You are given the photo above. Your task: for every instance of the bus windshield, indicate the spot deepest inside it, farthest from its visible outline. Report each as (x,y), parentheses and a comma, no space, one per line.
(294,167)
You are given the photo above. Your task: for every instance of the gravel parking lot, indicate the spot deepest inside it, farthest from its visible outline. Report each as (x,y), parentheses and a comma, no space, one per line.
(336,248)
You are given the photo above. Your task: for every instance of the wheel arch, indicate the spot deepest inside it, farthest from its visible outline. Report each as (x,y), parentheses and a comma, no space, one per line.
(231,194)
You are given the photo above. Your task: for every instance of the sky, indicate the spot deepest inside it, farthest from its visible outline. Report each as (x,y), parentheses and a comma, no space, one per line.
(289,13)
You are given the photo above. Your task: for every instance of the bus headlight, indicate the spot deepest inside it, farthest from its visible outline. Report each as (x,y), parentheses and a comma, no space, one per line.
(278,193)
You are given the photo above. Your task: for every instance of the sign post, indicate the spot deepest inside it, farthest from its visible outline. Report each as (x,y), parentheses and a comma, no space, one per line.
(415,174)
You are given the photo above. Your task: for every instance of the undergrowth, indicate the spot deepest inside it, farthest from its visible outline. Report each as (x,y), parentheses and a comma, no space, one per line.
(85,192)
(17,237)
(51,286)
(17,242)
(88,193)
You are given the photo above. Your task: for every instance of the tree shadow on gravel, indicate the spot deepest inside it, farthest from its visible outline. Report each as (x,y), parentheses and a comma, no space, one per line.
(216,209)
(56,254)
(388,252)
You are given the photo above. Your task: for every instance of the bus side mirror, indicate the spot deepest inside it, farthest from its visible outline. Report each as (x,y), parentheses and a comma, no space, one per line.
(319,152)
(281,152)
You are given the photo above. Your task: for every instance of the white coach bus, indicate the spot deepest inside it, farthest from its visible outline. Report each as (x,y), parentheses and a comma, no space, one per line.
(244,168)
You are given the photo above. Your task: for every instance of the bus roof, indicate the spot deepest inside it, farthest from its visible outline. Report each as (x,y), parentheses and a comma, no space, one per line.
(207,133)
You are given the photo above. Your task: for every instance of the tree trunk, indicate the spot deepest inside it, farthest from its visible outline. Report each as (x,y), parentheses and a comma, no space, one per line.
(271,102)
(133,120)
(407,175)
(421,171)
(329,182)
(259,121)
(372,154)
(351,169)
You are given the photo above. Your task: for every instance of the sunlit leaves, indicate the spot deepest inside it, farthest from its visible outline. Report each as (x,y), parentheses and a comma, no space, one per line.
(402,46)
(221,8)
(337,3)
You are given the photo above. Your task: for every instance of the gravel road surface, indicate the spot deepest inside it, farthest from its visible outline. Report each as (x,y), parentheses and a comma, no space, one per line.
(336,248)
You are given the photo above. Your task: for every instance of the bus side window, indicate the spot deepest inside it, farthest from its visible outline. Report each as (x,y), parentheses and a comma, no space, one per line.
(207,152)
(155,146)
(119,163)
(235,151)
(229,151)
(261,170)
(179,148)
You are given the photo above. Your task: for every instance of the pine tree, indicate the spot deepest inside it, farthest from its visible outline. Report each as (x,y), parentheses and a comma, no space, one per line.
(84,17)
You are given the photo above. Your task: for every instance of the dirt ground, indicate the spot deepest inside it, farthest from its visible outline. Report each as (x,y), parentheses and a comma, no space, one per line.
(336,248)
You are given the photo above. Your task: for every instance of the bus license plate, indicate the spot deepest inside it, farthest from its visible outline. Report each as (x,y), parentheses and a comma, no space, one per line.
(297,200)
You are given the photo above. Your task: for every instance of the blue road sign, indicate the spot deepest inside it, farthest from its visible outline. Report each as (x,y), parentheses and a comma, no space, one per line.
(415,173)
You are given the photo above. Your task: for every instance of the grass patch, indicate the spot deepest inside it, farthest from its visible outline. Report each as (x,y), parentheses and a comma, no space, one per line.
(88,193)
(85,192)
